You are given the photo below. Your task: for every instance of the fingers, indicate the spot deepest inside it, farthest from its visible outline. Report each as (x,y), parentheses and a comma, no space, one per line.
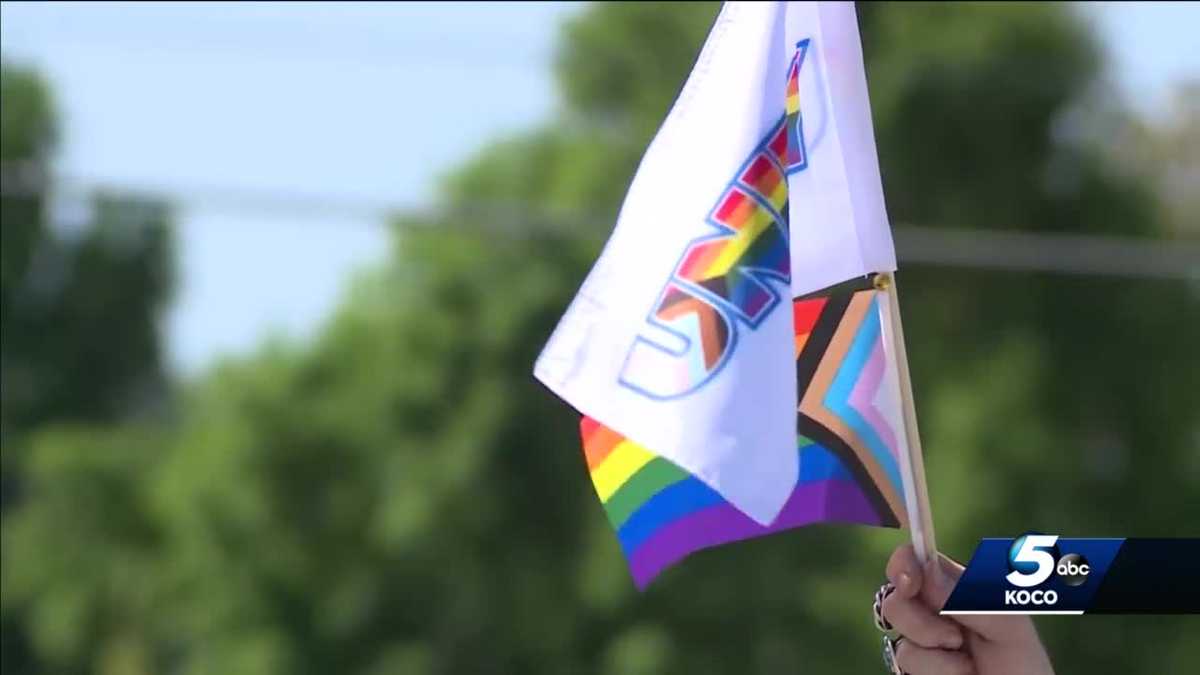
(908,613)
(938,580)
(917,660)
(904,572)
(920,624)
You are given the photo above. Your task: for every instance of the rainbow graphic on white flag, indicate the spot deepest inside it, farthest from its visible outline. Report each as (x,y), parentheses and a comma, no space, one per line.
(728,348)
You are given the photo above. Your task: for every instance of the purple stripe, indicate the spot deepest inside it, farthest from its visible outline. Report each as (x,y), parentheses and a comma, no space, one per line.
(823,501)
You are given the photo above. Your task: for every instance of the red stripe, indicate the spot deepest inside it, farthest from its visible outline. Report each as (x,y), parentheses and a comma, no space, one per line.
(805,314)
(599,444)
(728,206)
(698,259)
(778,145)
(587,427)
(760,168)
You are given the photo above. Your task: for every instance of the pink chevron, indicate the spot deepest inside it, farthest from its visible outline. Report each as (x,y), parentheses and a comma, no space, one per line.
(862,397)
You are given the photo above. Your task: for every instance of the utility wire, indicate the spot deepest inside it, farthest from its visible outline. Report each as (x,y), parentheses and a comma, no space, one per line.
(1017,251)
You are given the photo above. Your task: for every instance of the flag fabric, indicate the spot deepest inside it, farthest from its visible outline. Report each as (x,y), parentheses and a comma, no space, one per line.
(729,350)
(849,452)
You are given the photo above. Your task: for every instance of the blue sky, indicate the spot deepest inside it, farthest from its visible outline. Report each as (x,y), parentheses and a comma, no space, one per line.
(363,103)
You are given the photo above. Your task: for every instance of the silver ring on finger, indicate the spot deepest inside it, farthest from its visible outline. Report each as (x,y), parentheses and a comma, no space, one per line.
(891,645)
(881,621)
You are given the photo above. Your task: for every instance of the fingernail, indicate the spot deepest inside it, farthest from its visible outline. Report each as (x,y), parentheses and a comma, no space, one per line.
(906,581)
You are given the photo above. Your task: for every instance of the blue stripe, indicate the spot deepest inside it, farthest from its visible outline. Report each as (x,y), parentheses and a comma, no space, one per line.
(817,464)
(690,495)
(669,504)
(838,397)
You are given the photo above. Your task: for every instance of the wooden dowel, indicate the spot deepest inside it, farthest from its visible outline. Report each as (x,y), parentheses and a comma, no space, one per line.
(920,522)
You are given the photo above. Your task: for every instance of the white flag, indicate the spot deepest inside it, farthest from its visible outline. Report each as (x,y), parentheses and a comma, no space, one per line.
(762,184)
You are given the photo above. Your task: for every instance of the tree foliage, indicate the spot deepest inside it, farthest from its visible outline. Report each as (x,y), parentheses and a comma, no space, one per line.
(401,496)
(80,355)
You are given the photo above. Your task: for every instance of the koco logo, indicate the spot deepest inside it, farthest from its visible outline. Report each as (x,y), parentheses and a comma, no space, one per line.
(1024,597)
(1033,559)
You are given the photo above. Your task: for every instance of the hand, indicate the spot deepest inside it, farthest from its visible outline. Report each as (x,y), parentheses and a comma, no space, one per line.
(954,645)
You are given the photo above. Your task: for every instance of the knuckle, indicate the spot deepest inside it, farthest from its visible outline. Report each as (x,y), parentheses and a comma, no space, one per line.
(909,622)
(889,607)
(902,557)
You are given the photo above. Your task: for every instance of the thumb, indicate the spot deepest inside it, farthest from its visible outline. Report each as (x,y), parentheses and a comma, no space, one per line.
(940,577)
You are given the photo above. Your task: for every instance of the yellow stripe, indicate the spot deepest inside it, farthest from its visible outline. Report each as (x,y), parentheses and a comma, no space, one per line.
(779,197)
(624,461)
(758,222)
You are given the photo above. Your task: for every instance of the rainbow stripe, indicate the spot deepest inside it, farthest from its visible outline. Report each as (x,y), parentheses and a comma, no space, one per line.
(662,514)
(792,99)
(846,447)
(847,426)
(723,279)
(844,400)
(797,152)
(752,217)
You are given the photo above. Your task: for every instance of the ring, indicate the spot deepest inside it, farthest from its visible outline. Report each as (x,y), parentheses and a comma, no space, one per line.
(881,622)
(890,646)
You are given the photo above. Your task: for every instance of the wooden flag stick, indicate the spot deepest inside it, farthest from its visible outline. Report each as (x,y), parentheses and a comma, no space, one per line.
(920,514)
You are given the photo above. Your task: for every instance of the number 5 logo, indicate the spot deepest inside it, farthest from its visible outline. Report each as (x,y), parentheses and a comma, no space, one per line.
(1029,556)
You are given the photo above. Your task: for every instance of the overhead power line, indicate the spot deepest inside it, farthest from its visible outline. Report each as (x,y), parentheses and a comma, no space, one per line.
(1013,250)
(1095,255)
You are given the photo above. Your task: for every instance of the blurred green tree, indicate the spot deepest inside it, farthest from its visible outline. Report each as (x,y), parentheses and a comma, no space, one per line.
(479,547)
(106,279)
(401,496)
(79,309)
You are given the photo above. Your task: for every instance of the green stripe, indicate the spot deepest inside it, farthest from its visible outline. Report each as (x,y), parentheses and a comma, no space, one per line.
(657,474)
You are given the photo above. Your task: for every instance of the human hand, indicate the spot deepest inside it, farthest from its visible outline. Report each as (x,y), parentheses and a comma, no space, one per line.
(933,644)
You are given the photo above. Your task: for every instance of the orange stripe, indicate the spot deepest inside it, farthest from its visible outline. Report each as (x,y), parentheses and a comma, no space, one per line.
(767,181)
(736,217)
(801,340)
(709,338)
(598,447)
(745,211)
